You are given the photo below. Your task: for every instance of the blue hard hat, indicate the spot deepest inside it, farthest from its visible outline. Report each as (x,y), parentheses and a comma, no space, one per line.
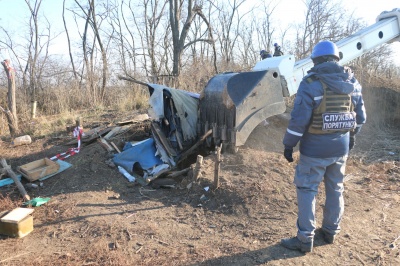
(325,48)
(262,52)
(275,44)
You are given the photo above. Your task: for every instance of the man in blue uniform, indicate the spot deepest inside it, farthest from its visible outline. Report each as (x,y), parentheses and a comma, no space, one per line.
(264,54)
(278,51)
(328,112)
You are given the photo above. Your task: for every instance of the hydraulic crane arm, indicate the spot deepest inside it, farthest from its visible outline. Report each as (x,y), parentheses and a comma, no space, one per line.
(385,30)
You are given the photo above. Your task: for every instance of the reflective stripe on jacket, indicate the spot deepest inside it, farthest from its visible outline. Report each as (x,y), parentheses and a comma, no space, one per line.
(309,96)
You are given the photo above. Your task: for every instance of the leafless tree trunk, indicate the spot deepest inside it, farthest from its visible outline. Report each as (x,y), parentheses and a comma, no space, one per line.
(8,42)
(248,55)
(69,43)
(89,73)
(230,21)
(179,36)
(89,49)
(96,27)
(12,117)
(124,38)
(210,40)
(265,29)
(151,38)
(33,56)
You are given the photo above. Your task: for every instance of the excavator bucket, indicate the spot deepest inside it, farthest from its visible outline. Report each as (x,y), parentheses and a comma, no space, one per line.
(233,104)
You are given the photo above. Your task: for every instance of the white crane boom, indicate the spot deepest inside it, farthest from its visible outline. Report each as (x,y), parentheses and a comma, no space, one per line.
(385,30)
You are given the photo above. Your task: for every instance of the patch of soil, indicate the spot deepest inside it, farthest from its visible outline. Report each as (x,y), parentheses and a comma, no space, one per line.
(96,217)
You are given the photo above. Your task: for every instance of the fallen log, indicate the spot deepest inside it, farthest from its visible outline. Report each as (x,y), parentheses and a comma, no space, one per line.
(11,173)
(178,173)
(157,175)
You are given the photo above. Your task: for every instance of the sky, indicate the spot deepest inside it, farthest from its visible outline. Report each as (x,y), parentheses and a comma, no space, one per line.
(288,12)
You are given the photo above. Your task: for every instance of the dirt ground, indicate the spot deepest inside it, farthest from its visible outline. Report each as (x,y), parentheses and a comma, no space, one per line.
(96,217)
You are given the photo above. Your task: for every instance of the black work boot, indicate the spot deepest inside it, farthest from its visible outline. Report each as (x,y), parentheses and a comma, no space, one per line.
(295,244)
(328,238)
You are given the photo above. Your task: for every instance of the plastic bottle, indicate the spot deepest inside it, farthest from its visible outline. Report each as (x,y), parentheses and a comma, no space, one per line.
(126,174)
(22,140)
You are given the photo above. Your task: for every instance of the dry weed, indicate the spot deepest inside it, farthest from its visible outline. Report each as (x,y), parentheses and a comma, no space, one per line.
(7,203)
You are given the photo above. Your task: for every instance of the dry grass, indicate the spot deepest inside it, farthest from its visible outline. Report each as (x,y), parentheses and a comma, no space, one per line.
(7,203)
(58,107)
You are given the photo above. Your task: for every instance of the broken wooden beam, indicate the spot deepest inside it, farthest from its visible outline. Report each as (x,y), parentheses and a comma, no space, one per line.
(157,175)
(197,144)
(138,118)
(217,166)
(197,169)
(113,132)
(178,173)
(105,144)
(115,147)
(159,135)
(14,177)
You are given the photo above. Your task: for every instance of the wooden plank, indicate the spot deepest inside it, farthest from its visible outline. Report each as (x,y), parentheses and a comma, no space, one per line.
(115,147)
(138,118)
(157,132)
(177,136)
(116,131)
(8,181)
(105,144)
(16,215)
(113,132)
(93,131)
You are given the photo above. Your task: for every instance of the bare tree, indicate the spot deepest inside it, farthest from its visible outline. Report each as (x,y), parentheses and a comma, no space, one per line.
(179,36)
(90,16)
(124,37)
(230,22)
(11,112)
(322,19)
(96,27)
(14,47)
(265,29)
(33,51)
(248,54)
(151,37)
(69,43)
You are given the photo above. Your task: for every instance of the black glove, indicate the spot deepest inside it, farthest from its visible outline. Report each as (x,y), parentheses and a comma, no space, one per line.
(352,141)
(288,153)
